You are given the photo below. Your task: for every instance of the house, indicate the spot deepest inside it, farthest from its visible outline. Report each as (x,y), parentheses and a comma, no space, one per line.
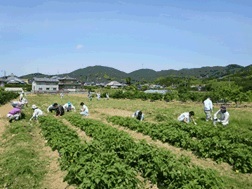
(2,82)
(114,84)
(69,84)
(11,79)
(45,85)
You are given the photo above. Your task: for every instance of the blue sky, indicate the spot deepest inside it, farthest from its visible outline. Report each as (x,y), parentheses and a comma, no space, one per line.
(59,36)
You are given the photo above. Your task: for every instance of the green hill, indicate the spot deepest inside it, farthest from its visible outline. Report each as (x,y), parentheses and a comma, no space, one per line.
(105,74)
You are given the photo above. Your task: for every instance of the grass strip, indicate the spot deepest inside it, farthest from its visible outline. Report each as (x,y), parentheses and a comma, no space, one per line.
(20,164)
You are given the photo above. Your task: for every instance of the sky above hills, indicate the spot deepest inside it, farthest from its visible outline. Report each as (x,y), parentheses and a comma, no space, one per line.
(60,36)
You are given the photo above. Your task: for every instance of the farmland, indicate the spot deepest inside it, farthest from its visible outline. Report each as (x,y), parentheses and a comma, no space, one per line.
(108,149)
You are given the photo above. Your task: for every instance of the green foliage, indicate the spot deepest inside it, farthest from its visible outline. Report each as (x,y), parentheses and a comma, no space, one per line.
(88,165)
(26,87)
(6,96)
(220,145)
(157,165)
(21,166)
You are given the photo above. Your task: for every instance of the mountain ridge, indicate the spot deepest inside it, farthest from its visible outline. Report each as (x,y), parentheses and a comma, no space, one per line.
(105,74)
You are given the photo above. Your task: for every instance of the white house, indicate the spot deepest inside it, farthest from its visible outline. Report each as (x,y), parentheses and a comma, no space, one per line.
(114,84)
(45,85)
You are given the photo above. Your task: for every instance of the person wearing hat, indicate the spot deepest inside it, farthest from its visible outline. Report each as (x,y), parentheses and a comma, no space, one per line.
(221,116)
(36,112)
(84,109)
(14,114)
(187,117)
(208,108)
(138,115)
(69,106)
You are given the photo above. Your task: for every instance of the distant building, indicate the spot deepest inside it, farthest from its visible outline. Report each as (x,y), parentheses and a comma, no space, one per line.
(11,79)
(114,84)
(156,91)
(45,85)
(69,84)
(2,81)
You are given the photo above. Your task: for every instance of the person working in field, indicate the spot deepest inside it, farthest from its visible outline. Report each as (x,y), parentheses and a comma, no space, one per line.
(52,108)
(21,96)
(14,114)
(69,106)
(208,108)
(17,104)
(36,112)
(138,115)
(59,109)
(84,109)
(221,116)
(187,117)
(24,101)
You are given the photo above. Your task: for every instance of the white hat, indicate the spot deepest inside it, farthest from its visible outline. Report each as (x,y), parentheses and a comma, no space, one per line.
(34,106)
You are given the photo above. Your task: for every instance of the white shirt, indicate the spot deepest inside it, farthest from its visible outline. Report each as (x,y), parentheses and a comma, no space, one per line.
(222,117)
(37,112)
(184,117)
(65,106)
(208,105)
(84,108)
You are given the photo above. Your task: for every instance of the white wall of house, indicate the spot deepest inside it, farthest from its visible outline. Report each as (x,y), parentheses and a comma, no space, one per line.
(44,87)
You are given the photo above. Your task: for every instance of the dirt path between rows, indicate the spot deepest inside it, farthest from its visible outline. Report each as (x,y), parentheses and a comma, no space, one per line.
(85,138)
(3,122)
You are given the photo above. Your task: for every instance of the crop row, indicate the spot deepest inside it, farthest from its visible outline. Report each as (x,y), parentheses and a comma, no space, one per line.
(88,165)
(203,141)
(157,165)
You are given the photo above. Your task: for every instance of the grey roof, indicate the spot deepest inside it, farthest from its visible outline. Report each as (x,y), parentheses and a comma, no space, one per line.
(45,79)
(67,78)
(114,83)
(13,79)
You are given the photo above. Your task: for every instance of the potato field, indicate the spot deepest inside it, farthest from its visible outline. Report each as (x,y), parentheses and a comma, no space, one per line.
(111,150)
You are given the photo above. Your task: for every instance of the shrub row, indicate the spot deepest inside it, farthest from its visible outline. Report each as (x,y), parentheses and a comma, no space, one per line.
(215,143)
(158,165)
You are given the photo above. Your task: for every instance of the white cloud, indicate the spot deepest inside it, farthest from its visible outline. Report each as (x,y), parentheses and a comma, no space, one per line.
(80,46)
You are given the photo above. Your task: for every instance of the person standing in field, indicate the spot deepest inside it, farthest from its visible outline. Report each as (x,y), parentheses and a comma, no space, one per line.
(21,96)
(187,117)
(14,114)
(138,115)
(107,96)
(221,116)
(36,112)
(84,109)
(208,108)
(61,95)
(89,95)
(59,109)
(98,95)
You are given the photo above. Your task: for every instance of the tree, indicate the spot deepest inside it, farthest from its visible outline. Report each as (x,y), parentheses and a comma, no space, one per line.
(128,80)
